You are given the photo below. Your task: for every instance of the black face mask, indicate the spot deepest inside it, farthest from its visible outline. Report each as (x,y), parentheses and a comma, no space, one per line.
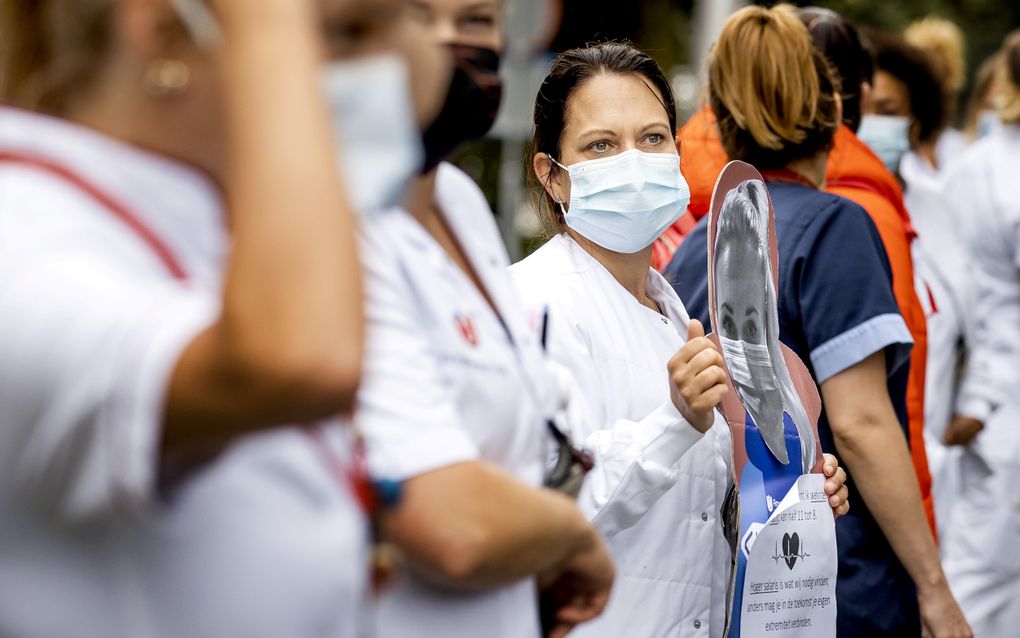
(471,104)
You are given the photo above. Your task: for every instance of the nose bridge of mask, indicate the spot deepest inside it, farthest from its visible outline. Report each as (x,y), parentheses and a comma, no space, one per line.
(629,172)
(624,202)
(757,354)
(736,360)
(200,22)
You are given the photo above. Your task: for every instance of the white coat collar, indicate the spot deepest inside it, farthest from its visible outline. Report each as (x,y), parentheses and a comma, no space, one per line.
(177,202)
(657,288)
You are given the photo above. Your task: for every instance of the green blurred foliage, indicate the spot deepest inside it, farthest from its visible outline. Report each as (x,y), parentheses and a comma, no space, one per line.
(985,23)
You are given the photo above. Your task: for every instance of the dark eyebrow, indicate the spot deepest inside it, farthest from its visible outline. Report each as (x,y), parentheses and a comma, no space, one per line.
(604,131)
(727,308)
(751,311)
(655,125)
(484,4)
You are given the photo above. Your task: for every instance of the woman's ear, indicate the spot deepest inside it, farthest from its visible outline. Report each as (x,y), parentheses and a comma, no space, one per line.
(549,177)
(865,97)
(679,144)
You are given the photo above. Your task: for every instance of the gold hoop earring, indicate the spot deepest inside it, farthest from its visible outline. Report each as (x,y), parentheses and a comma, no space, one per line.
(167,78)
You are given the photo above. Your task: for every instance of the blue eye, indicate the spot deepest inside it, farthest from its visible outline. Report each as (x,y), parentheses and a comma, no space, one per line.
(601,146)
(655,139)
(480,21)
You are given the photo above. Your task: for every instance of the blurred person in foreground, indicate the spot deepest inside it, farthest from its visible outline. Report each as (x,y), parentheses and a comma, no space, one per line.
(982,545)
(837,310)
(456,400)
(182,308)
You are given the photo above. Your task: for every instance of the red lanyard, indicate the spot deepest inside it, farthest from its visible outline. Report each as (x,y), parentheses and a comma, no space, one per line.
(122,213)
(355,478)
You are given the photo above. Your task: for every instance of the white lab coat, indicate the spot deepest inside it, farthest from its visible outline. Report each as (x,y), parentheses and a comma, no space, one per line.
(659,486)
(944,287)
(446,381)
(91,326)
(982,548)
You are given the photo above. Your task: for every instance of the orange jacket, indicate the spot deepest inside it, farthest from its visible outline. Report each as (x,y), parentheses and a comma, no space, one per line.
(854,172)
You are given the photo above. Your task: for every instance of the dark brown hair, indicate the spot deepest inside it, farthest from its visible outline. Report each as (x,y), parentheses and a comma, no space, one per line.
(570,71)
(772,92)
(906,63)
(840,43)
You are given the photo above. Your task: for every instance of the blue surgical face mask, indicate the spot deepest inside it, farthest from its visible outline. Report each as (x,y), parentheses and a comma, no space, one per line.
(988,122)
(624,202)
(371,109)
(380,145)
(888,136)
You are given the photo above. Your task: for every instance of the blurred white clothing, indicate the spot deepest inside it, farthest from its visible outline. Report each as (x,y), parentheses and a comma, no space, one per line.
(982,551)
(448,380)
(92,324)
(944,288)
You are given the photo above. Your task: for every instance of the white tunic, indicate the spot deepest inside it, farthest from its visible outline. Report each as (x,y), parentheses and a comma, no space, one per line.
(659,486)
(981,558)
(262,542)
(945,290)
(447,380)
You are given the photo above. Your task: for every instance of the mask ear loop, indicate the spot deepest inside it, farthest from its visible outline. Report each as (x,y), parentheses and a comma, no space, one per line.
(559,200)
(199,21)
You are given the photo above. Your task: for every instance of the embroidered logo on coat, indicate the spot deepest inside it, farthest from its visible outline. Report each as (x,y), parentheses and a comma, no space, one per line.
(466,327)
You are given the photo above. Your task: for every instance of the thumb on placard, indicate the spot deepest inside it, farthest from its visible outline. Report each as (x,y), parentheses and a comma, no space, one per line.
(695,330)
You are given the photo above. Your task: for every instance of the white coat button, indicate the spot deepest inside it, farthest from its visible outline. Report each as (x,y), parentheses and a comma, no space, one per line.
(697,624)
(704,517)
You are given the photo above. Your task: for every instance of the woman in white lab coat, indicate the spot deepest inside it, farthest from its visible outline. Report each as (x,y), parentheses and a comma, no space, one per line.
(981,545)
(661,489)
(180,283)
(455,401)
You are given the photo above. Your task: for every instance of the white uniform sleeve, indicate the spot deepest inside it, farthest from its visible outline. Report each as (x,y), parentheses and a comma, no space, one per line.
(409,420)
(88,349)
(994,243)
(635,461)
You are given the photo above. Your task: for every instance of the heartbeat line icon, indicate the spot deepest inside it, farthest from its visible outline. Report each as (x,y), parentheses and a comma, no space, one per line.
(792,550)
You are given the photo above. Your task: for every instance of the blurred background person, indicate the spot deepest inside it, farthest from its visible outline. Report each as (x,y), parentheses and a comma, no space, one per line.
(981,557)
(837,311)
(981,117)
(455,400)
(854,172)
(944,46)
(906,110)
(906,86)
(181,283)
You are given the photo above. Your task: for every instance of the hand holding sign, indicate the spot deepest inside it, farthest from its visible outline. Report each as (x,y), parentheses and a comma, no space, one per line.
(699,382)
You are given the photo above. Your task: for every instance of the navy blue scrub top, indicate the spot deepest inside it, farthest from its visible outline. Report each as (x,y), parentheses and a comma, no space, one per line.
(836,308)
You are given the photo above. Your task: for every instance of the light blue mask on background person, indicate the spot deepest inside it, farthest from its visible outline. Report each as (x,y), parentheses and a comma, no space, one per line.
(624,202)
(371,110)
(380,145)
(888,136)
(988,123)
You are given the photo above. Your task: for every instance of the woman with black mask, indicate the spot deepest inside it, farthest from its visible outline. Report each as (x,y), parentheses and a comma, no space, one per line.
(454,400)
